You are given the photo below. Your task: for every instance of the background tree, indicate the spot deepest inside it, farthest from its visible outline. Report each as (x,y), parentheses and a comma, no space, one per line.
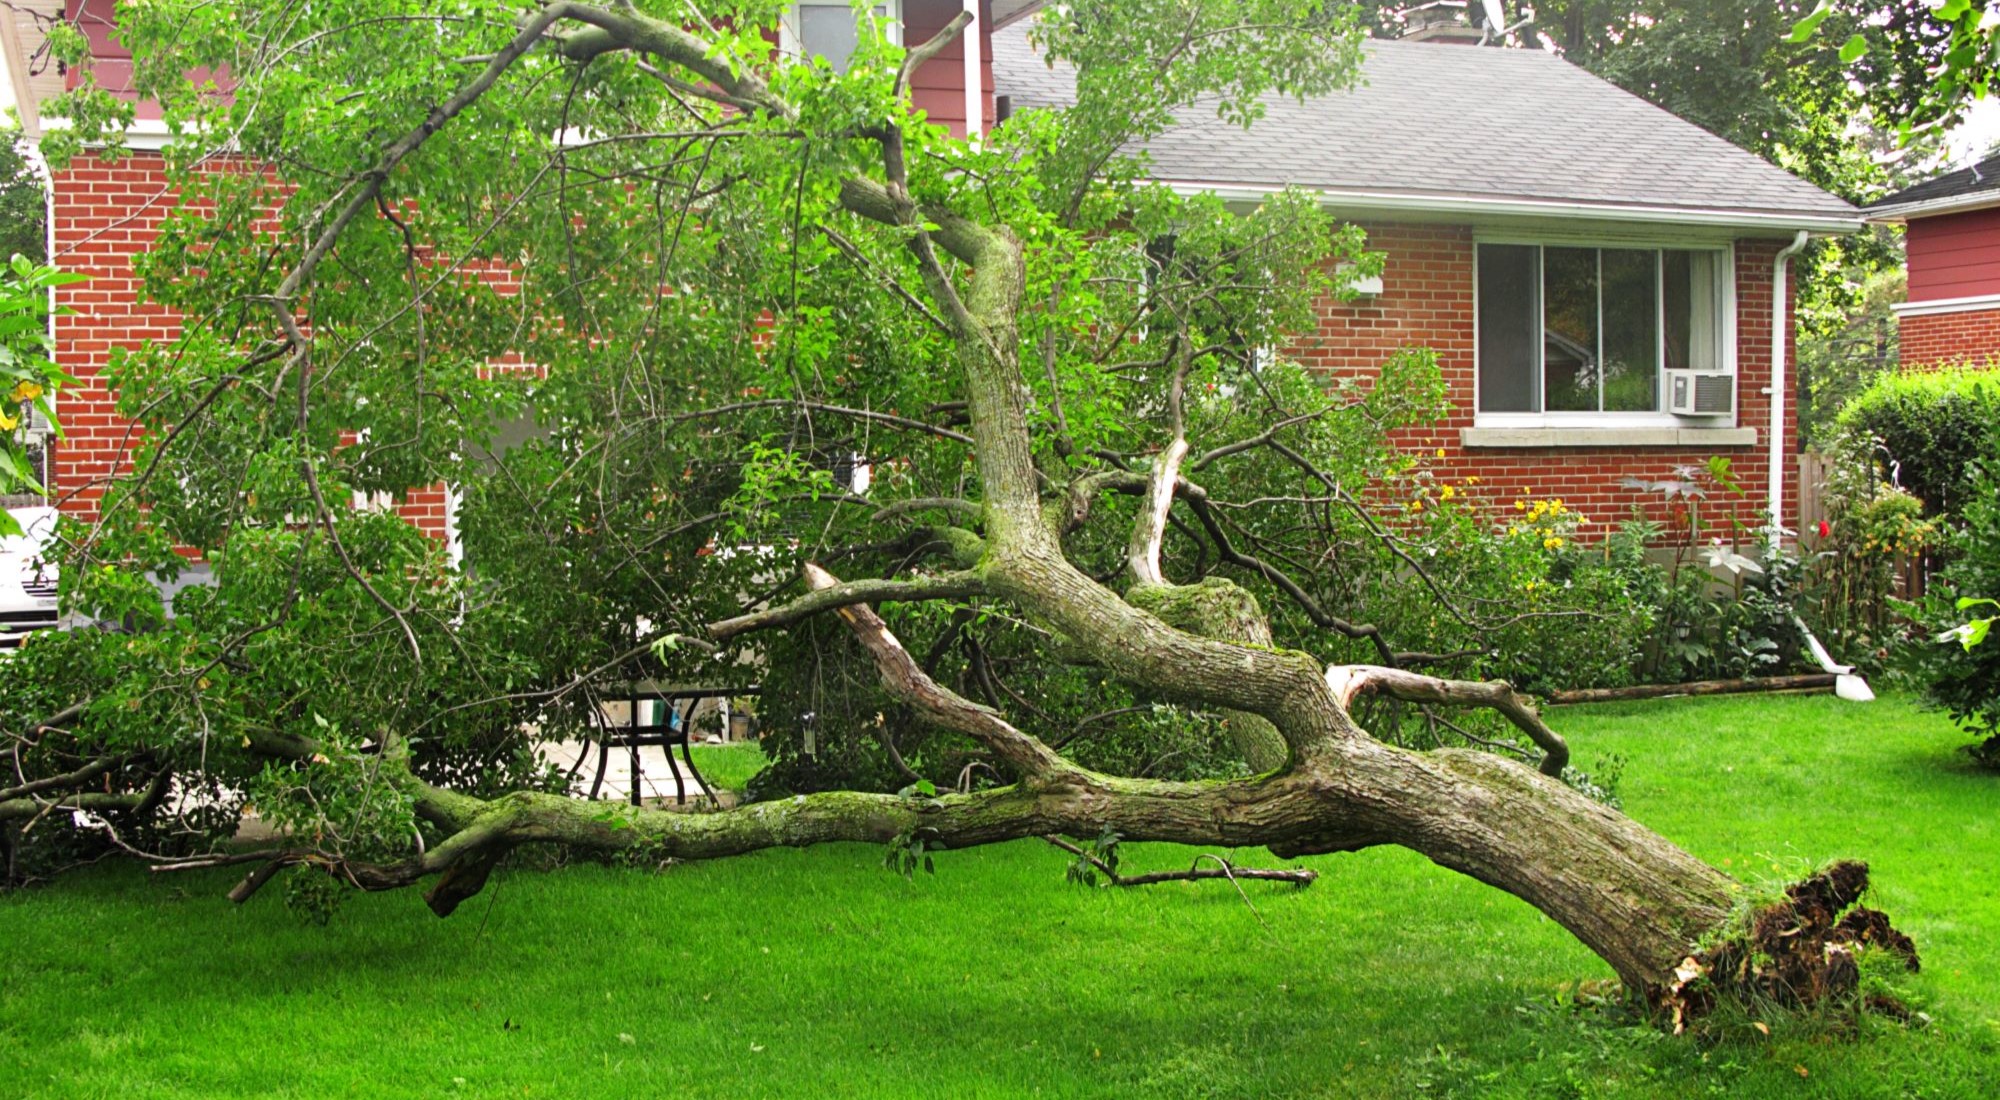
(731,274)
(23,204)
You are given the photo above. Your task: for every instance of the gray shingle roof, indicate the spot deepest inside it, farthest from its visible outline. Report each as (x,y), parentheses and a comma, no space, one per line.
(1440,120)
(1967,182)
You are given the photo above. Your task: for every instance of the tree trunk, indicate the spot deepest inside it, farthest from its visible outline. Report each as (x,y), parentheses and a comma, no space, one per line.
(1631,896)
(1217,608)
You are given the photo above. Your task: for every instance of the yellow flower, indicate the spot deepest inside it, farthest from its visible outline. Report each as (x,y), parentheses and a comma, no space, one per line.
(1416,506)
(1472,480)
(1440,452)
(27,391)
(1552,543)
(1447,492)
(7,422)
(1520,506)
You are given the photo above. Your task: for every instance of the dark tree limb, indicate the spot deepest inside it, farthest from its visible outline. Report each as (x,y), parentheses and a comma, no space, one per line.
(1818,681)
(71,779)
(841,594)
(1297,876)
(903,679)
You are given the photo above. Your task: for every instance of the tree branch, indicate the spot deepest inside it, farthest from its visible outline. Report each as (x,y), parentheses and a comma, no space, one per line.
(946,708)
(836,595)
(1349,681)
(1297,876)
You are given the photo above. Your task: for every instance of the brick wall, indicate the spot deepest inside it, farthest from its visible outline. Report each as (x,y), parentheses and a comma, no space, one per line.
(105,214)
(1931,340)
(1427,301)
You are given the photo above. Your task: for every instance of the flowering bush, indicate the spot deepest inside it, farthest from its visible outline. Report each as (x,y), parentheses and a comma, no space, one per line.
(1532,603)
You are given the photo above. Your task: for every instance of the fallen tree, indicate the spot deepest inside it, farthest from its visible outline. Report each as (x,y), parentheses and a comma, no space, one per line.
(621,197)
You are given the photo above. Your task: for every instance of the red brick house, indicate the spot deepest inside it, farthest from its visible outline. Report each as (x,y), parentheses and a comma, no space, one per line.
(1605,284)
(1573,253)
(1951,244)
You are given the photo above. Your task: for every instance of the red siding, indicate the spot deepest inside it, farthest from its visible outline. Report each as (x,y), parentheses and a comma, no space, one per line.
(1935,340)
(1953,255)
(938,88)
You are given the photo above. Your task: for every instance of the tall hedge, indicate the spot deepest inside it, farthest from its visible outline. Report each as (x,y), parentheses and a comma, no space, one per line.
(1931,429)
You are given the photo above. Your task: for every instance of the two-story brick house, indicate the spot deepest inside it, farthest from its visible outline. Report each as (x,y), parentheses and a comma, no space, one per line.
(1605,284)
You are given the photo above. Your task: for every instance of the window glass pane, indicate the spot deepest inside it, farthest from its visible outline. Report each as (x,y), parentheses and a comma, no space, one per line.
(1631,329)
(828,31)
(1510,321)
(1692,294)
(1569,330)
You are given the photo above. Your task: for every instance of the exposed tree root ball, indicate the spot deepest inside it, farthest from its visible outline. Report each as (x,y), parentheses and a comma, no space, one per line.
(1799,953)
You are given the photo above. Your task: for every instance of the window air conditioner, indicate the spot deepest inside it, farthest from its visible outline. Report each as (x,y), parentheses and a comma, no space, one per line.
(1701,393)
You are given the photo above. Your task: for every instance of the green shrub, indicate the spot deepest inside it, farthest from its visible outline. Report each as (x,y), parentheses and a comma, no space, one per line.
(1924,432)
(1960,669)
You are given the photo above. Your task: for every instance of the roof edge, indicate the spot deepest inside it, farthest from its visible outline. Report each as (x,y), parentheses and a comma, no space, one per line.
(1898,212)
(1448,202)
(1930,306)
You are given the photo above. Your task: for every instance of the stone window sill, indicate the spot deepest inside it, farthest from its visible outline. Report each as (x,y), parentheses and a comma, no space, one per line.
(1502,438)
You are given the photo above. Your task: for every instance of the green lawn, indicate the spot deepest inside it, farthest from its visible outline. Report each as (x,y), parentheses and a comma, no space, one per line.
(729,766)
(818,973)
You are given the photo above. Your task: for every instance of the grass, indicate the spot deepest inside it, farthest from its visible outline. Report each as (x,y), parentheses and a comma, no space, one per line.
(729,766)
(817,973)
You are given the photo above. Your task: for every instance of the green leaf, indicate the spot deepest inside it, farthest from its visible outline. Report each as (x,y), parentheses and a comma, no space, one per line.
(1974,632)
(1852,49)
(1804,28)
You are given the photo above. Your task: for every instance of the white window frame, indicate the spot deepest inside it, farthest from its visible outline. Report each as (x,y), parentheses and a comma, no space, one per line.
(791,41)
(1659,418)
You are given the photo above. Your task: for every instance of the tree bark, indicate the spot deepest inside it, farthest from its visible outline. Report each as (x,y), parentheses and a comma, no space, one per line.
(1813,682)
(1219,609)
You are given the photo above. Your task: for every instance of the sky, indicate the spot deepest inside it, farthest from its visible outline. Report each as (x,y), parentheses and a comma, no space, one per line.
(1978,133)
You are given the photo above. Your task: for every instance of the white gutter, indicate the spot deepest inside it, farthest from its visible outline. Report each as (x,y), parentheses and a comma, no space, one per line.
(1460,203)
(1925,208)
(975,84)
(1946,305)
(1781,323)
(145,135)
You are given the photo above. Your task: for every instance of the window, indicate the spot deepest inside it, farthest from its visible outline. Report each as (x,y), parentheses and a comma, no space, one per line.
(830,29)
(1581,332)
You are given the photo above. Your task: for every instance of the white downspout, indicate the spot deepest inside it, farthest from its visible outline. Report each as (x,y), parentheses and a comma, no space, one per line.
(1846,684)
(1781,324)
(975,84)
